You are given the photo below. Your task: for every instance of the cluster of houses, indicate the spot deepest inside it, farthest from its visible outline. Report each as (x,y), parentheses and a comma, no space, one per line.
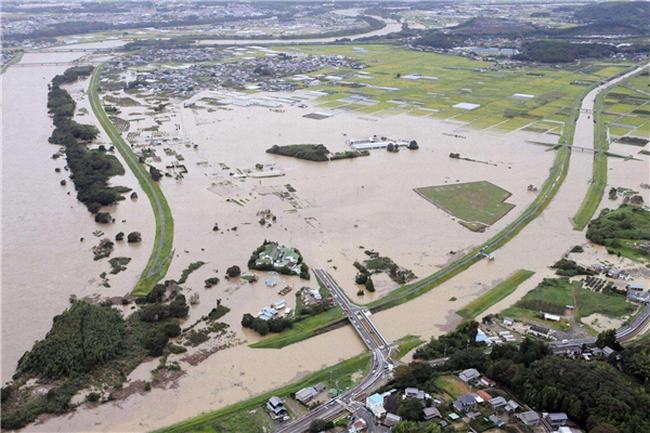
(278,309)
(375,142)
(376,403)
(503,409)
(588,353)
(272,71)
(279,257)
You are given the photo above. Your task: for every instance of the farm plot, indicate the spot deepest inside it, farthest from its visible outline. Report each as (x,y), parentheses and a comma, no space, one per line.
(476,204)
(476,93)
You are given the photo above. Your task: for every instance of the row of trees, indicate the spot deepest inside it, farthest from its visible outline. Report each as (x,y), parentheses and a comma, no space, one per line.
(90,169)
(263,327)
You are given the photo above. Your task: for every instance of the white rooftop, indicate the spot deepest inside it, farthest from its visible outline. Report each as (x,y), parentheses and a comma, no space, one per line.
(467,106)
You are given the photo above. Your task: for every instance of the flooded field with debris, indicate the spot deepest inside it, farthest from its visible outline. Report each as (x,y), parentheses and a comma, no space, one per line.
(228,195)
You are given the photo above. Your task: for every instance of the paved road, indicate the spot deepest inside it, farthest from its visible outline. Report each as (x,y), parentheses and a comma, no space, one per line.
(380,365)
(623,334)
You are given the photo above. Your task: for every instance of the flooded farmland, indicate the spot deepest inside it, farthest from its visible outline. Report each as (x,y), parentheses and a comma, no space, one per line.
(337,210)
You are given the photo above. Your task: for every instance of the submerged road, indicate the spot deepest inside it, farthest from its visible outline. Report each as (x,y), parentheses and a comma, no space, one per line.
(380,368)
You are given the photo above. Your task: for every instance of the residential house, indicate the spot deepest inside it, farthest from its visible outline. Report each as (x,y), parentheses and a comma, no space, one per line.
(556,419)
(465,403)
(279,305)
(529,418)
(512,406)
(486,382)
(414,393)
(305,395)
(469,375)
(635,293)
(552,317)
(358,426)
(390,420)
(540,331)
(608,351)
(431,413)
(275,407)
(498,402)
(497,421)
(375,404)
(484,395)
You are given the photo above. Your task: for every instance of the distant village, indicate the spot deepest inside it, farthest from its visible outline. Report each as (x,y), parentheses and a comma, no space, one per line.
(268,72)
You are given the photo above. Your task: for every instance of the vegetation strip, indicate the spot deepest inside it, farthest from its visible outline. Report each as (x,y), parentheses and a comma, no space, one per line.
(494,295)
(599,178)
(15,59)
(161,254)
(344,368)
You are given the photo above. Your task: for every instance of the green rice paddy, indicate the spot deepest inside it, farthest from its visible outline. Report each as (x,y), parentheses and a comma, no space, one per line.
(626,110)
(473,202)
(400,80)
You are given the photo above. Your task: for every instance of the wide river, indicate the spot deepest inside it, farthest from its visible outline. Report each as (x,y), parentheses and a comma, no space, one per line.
(43,264)
(43,260)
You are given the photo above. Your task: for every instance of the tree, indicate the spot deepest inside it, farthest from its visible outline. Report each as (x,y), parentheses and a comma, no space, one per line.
(178,307)
(156,174)
(318,425)
(134,238)
(172,329)
(413,145)
(608,338)
(233,271)
(361,278)
(82,337)
(416,427)
(247,320)
(411,410)
(472,357)
(370,286)
(155,341)
(103,218)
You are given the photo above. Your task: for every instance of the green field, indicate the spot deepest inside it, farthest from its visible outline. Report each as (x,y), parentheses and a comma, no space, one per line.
(624,231)
(246,417)
(451,385)
(494,295)
(626,107)
(388,81)
(406,344)
(472,202)
(161,254)
(553,294)
(302,330)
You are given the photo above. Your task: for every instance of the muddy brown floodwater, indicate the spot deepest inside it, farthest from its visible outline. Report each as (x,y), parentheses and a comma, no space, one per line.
(337,207)
(43,260)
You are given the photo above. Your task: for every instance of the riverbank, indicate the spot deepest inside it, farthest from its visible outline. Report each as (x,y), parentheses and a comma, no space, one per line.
(161,254)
